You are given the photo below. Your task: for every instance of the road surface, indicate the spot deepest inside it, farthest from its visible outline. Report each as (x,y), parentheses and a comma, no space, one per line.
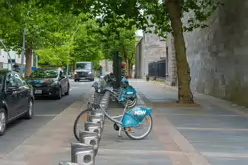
(45,110)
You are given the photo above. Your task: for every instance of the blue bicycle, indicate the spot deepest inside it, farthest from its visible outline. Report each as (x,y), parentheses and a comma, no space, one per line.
(132,121)
(118,93)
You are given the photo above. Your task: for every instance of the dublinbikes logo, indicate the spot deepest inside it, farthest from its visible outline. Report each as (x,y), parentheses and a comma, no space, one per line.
(139,112)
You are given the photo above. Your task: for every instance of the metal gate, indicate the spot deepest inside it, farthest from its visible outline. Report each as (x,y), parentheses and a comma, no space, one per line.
(157,69)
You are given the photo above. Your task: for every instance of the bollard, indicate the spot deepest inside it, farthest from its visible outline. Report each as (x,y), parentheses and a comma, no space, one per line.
(84,158)
(90,138)
(97,113)
(82,154)
(93,127)
(104,101)
(67,163)
(96,119)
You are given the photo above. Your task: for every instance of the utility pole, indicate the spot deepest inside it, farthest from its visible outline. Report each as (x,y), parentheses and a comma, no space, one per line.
(36,61)
(23,51)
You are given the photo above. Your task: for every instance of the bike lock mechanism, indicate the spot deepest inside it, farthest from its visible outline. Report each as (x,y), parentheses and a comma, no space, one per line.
(90,138)
(82,154)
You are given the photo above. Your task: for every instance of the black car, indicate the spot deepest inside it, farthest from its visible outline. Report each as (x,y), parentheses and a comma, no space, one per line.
(16,98)
(49,82)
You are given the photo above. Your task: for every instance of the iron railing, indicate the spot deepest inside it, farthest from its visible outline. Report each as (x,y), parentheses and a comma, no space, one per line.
(157,69)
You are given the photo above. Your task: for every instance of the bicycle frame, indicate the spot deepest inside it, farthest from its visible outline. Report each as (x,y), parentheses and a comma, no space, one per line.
(113,118)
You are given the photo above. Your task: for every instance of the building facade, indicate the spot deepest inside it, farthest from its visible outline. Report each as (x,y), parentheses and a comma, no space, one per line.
(106,66)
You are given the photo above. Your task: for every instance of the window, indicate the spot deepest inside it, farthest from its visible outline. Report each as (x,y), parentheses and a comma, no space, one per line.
(44,73)
(11,81)
(19,80)
(61,74)
(1,81)
(83,66)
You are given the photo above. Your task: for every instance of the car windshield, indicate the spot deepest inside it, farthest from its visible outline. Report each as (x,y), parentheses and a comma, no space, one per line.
(42,73)
(83,66)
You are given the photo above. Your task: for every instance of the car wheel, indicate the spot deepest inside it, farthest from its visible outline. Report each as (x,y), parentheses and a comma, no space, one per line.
(59,95)
(3,121)
(30,112)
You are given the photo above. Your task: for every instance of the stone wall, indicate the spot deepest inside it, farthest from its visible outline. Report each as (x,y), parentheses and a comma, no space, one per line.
(171,58)
(154,49)
(218,55)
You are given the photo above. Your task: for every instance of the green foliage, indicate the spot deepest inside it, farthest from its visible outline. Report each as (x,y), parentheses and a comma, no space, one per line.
(61,36)
(153,18)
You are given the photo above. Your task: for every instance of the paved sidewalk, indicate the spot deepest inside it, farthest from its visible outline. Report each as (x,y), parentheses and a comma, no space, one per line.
(214,132)
(211,132)
(51,143)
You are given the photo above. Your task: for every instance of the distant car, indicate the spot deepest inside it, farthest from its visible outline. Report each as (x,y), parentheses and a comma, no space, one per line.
(84,70)
(49,82)
(16,98)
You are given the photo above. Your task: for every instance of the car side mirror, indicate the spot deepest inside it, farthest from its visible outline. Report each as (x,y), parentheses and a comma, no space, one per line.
(61,77)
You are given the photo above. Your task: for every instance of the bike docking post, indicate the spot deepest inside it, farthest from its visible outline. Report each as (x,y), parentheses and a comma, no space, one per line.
(90,138)
(96,119)
(93,127)
(98,113)
(82,154)
(67,163)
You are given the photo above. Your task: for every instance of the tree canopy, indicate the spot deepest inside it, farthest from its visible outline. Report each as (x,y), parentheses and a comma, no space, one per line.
(159,16)
(58,37)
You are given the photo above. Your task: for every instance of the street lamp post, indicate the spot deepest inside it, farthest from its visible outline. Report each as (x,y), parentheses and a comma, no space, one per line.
(23,51)
(7,53)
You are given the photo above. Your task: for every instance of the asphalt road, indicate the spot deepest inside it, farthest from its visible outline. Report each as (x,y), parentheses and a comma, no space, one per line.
(45,110)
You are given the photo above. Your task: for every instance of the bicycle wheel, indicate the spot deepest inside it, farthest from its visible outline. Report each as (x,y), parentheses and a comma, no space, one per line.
(79,122)
(132,130)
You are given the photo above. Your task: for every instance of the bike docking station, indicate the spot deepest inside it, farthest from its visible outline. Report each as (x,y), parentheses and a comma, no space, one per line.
(90,138)
(84,152)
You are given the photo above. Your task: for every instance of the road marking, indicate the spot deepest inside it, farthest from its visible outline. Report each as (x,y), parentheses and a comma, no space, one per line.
(46,115)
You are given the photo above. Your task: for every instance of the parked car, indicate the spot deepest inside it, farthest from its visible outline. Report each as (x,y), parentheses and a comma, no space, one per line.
(16,98)
(49,82)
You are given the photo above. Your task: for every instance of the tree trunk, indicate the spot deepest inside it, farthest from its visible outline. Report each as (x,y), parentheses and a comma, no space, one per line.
(29,54)
(183,71)
(130,69)
(73,66)
(126,60)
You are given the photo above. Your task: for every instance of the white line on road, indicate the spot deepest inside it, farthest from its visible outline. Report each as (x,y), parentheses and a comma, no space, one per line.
(46,115)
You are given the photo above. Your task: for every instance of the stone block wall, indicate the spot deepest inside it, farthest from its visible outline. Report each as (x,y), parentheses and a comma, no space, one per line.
(218,55)
(154,48)
(171,58)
